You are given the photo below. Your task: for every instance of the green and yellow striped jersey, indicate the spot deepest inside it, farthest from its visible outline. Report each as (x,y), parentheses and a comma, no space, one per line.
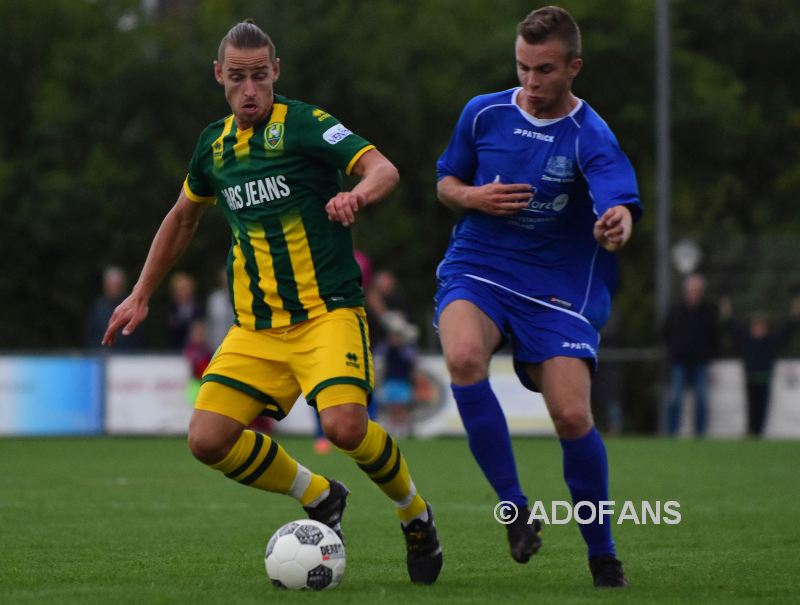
(287,261)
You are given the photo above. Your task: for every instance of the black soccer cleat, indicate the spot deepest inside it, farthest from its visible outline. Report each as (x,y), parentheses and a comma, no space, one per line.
(424,553)
(607,572)
(524,539)
(330,510)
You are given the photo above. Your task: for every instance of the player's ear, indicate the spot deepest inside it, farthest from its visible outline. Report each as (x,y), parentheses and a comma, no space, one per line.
(276,68)
(218,72)
(575,66)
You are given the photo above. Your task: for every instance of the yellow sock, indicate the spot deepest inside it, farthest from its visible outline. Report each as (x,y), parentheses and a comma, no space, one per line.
(379,457)
(258,461)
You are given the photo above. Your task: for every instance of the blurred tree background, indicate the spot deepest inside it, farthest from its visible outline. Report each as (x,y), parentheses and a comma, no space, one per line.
(104,100)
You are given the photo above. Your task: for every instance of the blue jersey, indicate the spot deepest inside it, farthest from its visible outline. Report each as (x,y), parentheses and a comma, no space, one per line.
(547,251)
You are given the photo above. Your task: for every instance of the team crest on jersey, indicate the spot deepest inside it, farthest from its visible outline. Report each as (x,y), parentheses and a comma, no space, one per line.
(560,166)
(273,135)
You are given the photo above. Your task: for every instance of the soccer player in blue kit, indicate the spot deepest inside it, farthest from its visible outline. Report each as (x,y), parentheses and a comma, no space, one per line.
(546,196)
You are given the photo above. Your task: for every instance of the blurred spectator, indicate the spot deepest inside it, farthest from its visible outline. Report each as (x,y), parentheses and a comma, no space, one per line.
(758,345)
(365,264)
(197,349)
(184,308)
(396,392)
(607,383)
(114,290)
(366,268)
(219,311)
(198,352)
(382,296)
(691,335)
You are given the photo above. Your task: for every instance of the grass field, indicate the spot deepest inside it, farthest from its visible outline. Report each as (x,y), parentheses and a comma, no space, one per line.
(139,521)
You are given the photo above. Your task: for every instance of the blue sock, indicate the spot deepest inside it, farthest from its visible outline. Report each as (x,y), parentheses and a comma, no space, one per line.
(586,474)
(489,440)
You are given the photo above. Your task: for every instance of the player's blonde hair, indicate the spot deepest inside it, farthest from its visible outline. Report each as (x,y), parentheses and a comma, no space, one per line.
(246,35)
(552,22)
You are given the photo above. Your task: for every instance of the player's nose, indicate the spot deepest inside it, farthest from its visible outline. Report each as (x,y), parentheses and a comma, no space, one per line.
(531,82)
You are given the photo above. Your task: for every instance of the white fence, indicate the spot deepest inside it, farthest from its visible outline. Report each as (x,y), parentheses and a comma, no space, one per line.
(152,395)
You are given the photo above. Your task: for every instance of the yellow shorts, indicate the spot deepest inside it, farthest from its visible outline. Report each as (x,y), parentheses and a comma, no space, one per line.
(274,366)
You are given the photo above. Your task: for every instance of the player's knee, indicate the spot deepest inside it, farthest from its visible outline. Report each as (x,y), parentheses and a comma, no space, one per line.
(345,430)
(207,447)
(466,364)
(572,423)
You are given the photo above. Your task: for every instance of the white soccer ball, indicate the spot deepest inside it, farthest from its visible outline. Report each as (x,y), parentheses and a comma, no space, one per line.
(305,554)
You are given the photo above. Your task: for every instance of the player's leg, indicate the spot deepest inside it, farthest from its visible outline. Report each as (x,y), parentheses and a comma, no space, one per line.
(220,439)
(758,394)
(677,384)
(373,449)
(752,389)
(565,383)
(335,369)
(699,378)
(349,428)
(761,408)
(468,340)
(469,337)
(246,378)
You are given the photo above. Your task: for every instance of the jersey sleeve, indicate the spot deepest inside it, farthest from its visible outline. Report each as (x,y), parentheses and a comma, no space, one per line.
(608,171)
(324,137)
(460,158)
(197,186)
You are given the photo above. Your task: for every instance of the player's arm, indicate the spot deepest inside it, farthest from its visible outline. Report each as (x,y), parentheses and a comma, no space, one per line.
(612,184)
(498,199)
(614,227)
(378,177)
(170,241)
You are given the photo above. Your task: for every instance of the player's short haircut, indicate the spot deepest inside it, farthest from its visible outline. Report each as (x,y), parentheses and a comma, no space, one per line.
(246,35)
(552,22)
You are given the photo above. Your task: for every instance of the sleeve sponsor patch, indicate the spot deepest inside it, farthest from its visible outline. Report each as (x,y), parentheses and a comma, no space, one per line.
(336,133)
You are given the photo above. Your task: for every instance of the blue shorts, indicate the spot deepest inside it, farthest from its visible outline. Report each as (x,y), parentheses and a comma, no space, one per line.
(536,331)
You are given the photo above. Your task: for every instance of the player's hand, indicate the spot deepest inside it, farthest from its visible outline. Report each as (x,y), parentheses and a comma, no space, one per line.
(343,206)
(613,229)
(127,316)
(500,199)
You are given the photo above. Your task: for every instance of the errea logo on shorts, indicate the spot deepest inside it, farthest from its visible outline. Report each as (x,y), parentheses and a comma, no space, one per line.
(352,360)
(580,346)
(336,133)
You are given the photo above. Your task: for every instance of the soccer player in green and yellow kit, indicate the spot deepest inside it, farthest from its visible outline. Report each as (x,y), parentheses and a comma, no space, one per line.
(274,168)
